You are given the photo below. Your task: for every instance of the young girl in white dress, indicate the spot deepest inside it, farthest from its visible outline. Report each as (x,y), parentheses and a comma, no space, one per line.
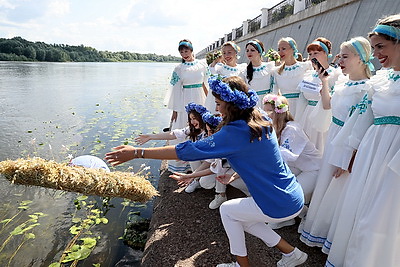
(367,232)
(355,62)
(228,68)
(319,49)
(194,131)
(258,73)
(188,84)
(289,74)
(205,174)
(297,151)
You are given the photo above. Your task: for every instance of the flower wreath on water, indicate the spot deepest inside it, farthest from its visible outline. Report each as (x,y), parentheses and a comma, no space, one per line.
(239,98)
(198,108)
(211,119)
(274,100)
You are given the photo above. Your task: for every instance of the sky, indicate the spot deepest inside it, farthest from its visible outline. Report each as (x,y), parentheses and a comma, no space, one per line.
(141,26)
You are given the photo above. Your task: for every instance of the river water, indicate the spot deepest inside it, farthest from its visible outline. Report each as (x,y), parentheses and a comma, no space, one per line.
(54,110)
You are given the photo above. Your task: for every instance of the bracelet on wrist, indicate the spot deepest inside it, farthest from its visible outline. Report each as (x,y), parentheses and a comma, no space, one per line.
(142,153)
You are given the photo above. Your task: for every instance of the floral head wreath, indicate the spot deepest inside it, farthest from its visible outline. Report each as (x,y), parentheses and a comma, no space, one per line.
(274,100)
(211,119)
(238,98)
(195,107)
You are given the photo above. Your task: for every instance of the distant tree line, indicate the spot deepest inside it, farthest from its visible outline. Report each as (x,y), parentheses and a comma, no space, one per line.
(19,49)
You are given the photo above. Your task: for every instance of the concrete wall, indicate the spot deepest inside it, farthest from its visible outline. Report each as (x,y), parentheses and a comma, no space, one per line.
(336,20)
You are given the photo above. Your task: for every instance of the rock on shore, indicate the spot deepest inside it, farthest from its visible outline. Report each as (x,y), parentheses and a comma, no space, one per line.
(185,232)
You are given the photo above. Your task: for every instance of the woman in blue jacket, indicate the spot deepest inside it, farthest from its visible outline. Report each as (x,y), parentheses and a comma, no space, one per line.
(247,140)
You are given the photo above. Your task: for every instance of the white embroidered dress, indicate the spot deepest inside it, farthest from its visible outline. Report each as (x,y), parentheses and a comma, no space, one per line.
(287,83)
(224,71)
(367,231)
(312,128)
(301,156)
(328,189)
(187,86)
(261,82)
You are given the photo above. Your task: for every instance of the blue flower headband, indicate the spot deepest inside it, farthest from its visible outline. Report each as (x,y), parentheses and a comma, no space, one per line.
(234,46)
(186,44)
(258,46)
(211,119)
(195,107)
(238,98)
(363,55)
(324,47)
(293,46)
(388,30)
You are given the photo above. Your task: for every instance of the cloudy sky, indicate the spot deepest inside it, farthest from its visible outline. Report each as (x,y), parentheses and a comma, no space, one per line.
(143,26)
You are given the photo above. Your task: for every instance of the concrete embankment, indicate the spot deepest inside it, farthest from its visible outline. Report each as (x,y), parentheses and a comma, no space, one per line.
(185,232)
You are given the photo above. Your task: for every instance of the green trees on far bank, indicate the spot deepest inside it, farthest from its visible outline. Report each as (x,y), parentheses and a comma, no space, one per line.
(19,49)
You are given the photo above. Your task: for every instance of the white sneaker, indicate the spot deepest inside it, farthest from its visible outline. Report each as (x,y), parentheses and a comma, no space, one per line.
(192,186)
(218,200)
(282,224)
(232,264)
(298,257)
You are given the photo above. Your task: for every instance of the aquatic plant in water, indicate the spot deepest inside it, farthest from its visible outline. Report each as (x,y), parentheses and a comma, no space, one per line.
(83,242)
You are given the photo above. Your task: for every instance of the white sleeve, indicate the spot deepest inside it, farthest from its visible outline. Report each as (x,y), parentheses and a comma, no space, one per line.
(293,142)
(181,134)
(174,97)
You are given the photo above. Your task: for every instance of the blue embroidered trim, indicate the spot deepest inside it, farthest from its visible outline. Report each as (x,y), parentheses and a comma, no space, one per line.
(259,68)
(174,79)
(337,121)
(354,83)
(329,264)
(292,95)
(387,120)
(314,239)
(393,77)
(263,92)
(312,102)
(188,86)
(292,67)
(286,145)
(190,63)
(271,83)
(363,105)
(230,68)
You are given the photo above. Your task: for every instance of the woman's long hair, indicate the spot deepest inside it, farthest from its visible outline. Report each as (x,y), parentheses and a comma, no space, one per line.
(250,70)
(252,116)
(193,132)
(281,119)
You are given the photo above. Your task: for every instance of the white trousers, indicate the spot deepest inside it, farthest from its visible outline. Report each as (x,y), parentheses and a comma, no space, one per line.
(307,180)
(242,215)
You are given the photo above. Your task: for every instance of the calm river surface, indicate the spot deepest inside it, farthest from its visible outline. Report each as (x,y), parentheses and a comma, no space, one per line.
(53,110)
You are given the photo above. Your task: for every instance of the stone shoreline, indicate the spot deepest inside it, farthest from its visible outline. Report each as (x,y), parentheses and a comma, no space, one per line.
(185,232)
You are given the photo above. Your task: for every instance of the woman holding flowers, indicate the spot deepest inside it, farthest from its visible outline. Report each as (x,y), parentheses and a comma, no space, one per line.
(249,143)
(297,151)
(257,75)
(289,74)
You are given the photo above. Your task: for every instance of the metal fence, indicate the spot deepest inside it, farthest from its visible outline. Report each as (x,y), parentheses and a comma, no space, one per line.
(280,11)
(276,13)
(310,3)
(254,24)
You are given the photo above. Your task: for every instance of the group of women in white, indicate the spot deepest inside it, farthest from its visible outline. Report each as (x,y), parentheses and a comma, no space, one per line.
(336,128)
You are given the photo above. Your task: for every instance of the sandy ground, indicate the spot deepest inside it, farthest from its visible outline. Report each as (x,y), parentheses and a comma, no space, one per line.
(185,232)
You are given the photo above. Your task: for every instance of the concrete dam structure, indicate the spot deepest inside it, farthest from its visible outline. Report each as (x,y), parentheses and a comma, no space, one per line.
(305,20)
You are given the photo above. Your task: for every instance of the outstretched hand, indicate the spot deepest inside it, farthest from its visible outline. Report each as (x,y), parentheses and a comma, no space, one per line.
(142,139)
(183,179)
(120,155)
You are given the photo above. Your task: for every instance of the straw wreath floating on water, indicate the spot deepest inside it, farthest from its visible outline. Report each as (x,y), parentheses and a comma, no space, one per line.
(47,173)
